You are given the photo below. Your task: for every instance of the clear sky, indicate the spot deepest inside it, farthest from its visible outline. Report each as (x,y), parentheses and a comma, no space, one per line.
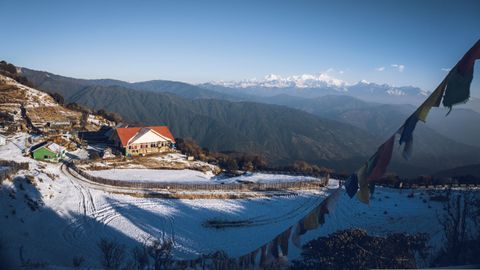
(199,41)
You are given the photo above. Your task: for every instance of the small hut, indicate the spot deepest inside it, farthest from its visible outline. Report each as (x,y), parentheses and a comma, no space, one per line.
(48,151)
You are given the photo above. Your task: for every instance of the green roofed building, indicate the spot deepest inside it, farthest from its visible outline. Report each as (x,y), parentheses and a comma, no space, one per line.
(48,151)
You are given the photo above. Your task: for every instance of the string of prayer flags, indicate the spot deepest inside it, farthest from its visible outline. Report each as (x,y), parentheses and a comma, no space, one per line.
(454,89)
(278,247)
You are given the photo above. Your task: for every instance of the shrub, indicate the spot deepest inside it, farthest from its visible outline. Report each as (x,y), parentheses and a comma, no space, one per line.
(355,249)
(77,261)
(58,98)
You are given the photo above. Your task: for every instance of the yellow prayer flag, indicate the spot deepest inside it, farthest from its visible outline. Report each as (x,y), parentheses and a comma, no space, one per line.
(363,194)
(432,101)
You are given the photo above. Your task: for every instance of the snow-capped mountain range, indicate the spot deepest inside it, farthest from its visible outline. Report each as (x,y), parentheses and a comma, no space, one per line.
(277,81)
(311,85)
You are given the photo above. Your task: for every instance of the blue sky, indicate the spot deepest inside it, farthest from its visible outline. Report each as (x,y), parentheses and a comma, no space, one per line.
(199,41)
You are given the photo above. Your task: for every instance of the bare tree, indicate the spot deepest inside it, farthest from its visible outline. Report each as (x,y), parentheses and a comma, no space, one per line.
(458,213)
(112,254)
(78,261)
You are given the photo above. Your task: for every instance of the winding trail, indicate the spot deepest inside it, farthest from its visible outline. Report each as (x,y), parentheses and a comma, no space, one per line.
(80,227)
(104,216)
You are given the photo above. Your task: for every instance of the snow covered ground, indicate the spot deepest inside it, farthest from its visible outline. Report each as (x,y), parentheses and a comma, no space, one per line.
(192,176)
(60,217)
(146,175)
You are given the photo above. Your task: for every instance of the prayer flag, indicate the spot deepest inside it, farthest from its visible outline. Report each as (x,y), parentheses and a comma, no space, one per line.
(433,100)
(407,134)
(460,78)
(383,157)
(363,193)
(351,185)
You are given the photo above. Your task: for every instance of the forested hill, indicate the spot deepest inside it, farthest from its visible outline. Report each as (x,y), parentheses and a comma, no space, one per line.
(279,133)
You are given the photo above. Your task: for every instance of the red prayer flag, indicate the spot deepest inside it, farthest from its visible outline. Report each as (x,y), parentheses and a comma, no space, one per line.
(384,155)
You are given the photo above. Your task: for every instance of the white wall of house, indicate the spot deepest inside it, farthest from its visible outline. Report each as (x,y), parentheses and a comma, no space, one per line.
(147,137)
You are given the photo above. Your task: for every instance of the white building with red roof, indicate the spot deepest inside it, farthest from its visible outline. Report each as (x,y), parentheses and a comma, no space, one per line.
(143,140)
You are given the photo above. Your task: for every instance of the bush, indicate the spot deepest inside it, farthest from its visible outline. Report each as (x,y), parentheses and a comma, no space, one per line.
(229,164)
(10,71)
(355,249)
(114,117)
(77,261)
(76,107)
(7,67)
(94,155)
(58,98)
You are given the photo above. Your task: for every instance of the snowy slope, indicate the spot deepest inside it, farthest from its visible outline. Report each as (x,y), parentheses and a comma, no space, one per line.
(60,217)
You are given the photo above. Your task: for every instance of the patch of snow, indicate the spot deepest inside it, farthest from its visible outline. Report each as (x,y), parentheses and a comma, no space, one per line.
(395,92)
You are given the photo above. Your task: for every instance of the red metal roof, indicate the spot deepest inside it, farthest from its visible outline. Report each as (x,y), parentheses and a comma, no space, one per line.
(125,134)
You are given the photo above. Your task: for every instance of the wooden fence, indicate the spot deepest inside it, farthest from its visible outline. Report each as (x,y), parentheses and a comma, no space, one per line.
(10,168)
(202,187)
